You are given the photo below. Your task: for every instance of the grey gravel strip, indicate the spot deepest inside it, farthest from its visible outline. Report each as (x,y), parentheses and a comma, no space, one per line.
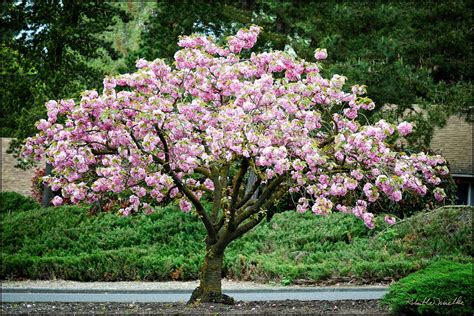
(145,286)
(178,291)
(161,292)
(241,295)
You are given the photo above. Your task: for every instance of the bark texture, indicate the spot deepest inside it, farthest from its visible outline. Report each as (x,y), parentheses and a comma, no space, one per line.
(210,286)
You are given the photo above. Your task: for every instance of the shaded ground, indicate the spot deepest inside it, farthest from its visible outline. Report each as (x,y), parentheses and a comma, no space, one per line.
(361,307)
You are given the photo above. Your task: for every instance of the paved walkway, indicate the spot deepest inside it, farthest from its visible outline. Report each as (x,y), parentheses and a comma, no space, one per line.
(68,291)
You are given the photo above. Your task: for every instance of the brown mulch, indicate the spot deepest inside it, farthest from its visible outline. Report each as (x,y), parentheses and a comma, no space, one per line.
(357,307)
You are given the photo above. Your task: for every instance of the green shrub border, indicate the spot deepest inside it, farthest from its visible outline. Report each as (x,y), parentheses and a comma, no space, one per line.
(442,288)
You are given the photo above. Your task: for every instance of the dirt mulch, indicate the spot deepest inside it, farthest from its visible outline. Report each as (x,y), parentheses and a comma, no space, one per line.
(358,307)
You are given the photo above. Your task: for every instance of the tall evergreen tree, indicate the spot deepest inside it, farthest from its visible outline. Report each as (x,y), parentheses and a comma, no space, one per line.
(51,44)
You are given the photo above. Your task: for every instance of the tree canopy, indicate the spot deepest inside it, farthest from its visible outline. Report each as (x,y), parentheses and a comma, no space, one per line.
(198,129)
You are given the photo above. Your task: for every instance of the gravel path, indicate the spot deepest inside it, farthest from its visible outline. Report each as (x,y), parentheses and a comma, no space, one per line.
(174,285)
(168,296)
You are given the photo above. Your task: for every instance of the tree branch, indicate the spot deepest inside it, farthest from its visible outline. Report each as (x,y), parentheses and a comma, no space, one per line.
(227,236)
(250,193)
(103,152)
(204,171)
(185,190)
(242,229)
(269,190)
(221,179)
(237,184)
(216,203)
(220,224)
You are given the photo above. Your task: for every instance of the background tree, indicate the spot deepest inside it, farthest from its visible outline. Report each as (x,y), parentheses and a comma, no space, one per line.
(125,37)
(171,19)
(21,89)
(51,45)
(198,129)
(406,52)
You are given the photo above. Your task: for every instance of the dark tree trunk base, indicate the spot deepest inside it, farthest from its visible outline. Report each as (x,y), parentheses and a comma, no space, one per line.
(199,296)
(210,286)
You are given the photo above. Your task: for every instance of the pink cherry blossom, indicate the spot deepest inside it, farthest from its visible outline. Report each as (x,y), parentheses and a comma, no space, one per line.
(439,194)
(321,54)
(390,220)
(57,200)
(404,128)
(185,205)
(369,220)
(198,128)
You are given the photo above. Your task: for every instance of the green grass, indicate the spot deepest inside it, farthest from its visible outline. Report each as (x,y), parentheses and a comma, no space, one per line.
(443,288)
(67,243)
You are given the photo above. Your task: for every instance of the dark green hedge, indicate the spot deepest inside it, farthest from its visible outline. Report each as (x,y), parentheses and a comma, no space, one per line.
(68,243)
(14,202)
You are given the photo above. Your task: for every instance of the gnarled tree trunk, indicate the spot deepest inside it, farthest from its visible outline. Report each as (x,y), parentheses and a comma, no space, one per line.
(210,286)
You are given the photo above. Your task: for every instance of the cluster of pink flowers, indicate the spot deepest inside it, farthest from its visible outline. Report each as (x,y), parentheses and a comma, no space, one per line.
(243,39)
(321,54)
(214,108)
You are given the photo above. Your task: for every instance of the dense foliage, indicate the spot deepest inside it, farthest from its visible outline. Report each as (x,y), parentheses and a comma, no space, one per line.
(47,48)
(11,202)
(443,288)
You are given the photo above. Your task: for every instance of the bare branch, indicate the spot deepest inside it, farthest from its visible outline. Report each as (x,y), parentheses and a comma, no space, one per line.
(204,171)
(226,236)
(221,180)
(216,203)
(103,152)
(251,223)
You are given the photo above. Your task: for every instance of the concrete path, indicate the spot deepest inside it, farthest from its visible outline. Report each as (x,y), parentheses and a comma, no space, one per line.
(65,291)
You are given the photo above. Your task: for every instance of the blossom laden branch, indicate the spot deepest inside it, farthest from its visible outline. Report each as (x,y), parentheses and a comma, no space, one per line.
(196,129)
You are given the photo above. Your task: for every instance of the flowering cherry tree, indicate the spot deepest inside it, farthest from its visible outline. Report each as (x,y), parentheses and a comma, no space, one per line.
(238,131)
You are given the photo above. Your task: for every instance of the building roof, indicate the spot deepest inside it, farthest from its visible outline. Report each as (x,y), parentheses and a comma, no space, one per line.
(455,142)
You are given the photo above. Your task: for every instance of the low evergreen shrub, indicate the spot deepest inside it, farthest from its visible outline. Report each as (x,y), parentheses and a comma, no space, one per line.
(15,202)
(443,288)
(68,242)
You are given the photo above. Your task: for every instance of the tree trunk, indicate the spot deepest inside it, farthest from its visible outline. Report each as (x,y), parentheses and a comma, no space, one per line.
(210,286)
(47,193)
